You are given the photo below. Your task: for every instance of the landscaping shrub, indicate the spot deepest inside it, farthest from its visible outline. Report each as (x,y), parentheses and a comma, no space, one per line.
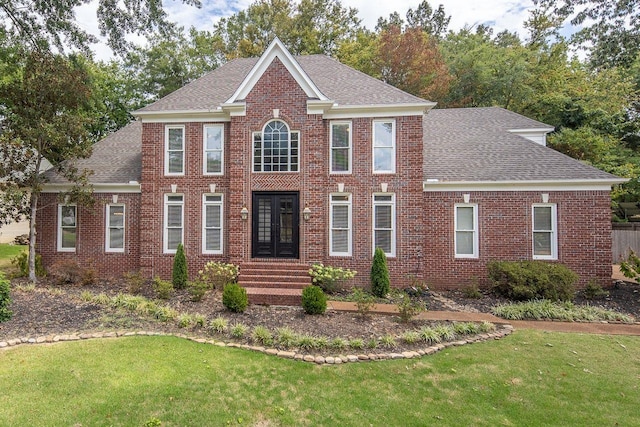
(364,301)
(631,267)
(68,272)
(197,289)
(527,280)
(314,300)
(409,308)
(163,288)
(180,272)
(135,281)
(21,261)
(380,283)
(330,279)
(5,299)
(219,274)
(234,298)
(594,291)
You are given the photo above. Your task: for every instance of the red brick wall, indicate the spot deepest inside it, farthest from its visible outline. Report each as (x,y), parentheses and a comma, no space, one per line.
(504,220)
(91,233)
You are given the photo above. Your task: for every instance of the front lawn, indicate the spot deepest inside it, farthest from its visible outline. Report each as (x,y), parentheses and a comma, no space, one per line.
(7,252)
(528,378)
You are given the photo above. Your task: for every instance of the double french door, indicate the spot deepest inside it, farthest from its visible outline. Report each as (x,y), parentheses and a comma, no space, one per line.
(275,228)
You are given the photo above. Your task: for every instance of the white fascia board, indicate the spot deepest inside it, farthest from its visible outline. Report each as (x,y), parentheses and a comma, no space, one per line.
(131,187)
(378,110)
(532,130)
(276,50)
(171,116)
(433,185)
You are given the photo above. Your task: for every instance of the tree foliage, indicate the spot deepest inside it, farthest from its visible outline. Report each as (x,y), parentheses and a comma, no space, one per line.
(46,24)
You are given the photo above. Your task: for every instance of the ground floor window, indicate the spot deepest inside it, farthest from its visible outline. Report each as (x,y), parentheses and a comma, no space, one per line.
(466,226)
(67,228)
(173,222)
(340,225)
(212,223)
(115,228)
(384,227)
(545,240)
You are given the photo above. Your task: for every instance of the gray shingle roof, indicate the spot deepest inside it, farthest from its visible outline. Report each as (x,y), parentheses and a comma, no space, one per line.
(474,144)
(116,159)
(336,81)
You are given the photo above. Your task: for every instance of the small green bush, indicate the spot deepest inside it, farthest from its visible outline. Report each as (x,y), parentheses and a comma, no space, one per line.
(239,330)
(380,283)
(262,335)
(409,308)
(219,325)
(364,301)
(163,288)
(631,267)
(197,289)
(330,279)
(180,272)
(21,261)
(472,290)
(527,280)
(5,299)
(234,298)
(314,300)
(594,291)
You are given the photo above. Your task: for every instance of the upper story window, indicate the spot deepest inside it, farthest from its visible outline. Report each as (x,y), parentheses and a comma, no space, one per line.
(545,236)
(340,147)
(213,146)
(384,223)
(67,227)
(173,222)
(466,226)
(114,241)
(384,146)
(174,150)
(276,148)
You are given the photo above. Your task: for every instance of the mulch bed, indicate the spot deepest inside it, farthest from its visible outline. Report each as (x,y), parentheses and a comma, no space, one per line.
(49,309)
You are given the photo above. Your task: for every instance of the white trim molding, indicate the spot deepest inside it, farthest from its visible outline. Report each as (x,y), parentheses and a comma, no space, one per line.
(132,187)
(435,185)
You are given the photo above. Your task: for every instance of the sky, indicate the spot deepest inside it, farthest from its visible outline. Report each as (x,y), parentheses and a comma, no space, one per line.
(499,14)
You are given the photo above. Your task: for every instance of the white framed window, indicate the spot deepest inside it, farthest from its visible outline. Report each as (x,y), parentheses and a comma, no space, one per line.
(212,223)
(174,150)
(213,146)
(340,224)
(115,225)
(67,228)
(545,236)
(276,148)
(384,146)
(173,222)
(466,230)
(384,223)
(340,135)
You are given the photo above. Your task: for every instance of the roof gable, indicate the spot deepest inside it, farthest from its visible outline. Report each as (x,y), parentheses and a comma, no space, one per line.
(276,50)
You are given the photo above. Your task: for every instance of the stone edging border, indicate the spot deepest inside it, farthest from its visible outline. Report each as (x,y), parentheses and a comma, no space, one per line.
(503,331)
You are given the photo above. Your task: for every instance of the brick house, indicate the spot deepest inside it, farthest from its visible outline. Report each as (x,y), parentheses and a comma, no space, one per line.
(277,162)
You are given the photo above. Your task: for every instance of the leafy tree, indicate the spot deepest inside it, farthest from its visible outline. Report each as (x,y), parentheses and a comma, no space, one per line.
(43,111)
(610,32)
(307,27)
(47,24)
(432,22)
(180,272)
(380,283)
(411,61)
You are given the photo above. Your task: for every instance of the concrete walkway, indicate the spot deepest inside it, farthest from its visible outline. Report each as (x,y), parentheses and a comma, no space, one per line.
(459,316)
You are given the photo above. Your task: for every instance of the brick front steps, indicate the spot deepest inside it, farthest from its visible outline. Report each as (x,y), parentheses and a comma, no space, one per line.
(274,283)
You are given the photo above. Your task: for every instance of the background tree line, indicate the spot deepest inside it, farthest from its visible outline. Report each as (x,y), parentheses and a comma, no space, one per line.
(586,85)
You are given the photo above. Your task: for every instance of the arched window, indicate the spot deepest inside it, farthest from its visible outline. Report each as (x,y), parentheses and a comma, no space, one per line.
(275,149)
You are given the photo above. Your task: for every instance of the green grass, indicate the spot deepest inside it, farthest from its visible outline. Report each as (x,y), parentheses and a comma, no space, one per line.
(529,378)
(6,253)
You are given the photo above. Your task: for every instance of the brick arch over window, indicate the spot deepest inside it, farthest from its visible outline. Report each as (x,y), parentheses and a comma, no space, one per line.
(276,148)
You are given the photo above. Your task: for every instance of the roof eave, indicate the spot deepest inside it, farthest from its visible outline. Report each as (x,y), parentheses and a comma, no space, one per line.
(215,114)
(435,185)
(129,187)
(338,111)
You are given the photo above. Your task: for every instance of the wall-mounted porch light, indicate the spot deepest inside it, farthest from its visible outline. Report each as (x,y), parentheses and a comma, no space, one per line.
(306,213)
(244,213)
